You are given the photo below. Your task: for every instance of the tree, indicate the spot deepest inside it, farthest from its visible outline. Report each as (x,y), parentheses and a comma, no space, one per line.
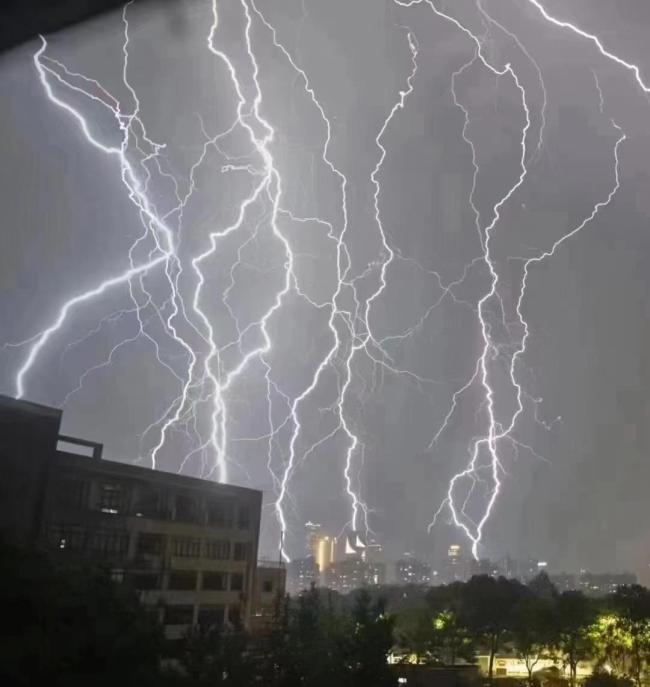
(632,608)
(532,630)
(415,635)
(600,678)
(542,586)
(574,615)
(372,642)
(488,607)
(452,639)
(310,644)
(70,624)
(611,644)
(217,656)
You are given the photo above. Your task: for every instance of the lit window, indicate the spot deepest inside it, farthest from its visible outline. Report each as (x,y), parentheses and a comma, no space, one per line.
(111,498)
(68,538)
(147,503)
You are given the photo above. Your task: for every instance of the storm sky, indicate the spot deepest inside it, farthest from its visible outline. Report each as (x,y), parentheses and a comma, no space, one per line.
(574,473)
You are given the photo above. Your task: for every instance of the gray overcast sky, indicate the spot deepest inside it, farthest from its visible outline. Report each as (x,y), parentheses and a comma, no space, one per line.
(579,498)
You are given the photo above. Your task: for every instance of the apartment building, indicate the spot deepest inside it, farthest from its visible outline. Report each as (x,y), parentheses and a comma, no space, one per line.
(188,546)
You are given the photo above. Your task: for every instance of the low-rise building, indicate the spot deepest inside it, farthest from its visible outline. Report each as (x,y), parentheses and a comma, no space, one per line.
(188,546)
(409,570)
(269,591)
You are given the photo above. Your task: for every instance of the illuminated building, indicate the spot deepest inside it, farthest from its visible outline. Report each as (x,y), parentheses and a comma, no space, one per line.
(322,547)
(523,570)
(456,566)
(325,552)
(409,570)
(362,565)
(514,667)
(563,582)
(355,544)
(600,584)
(187,546)
(301,574)
(374,558)
(349,574)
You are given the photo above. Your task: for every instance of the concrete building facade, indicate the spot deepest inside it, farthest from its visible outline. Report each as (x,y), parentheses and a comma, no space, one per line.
(188,546)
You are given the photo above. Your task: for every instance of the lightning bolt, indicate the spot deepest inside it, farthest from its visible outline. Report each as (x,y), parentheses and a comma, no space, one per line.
(498,431)
(206,368)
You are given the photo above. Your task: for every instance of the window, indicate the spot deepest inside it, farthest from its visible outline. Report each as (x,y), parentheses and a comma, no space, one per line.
(211,616)
(218,549)
(68,538)
(220,514)
(240,551)
(267,586)
(179,615)
(243,517)
(236,582)
(182,580)
(117,575)
(73,492)
(186,508)
(109,542)
(111,497)
(187,547)
(145,581)
(214,581)
(150,544)
(147,502)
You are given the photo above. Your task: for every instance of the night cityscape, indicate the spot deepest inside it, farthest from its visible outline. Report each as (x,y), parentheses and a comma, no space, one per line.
(325,352)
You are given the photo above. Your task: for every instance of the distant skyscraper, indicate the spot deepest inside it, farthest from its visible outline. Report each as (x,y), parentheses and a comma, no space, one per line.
(355,544)
(322,547)
(599,584)
(456,566)
(301,574)
(409,570)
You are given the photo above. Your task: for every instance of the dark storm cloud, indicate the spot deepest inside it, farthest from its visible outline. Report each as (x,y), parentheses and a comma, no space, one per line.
(68,223)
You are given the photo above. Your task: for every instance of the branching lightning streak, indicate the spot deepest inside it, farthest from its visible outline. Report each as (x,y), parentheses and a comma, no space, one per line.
(498,431)
(154,226)
(206,376)
(596,41)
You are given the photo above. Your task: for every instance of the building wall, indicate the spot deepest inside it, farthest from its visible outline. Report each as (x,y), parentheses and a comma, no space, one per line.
(28,437)
(511,666)
(188,546)
(269,590)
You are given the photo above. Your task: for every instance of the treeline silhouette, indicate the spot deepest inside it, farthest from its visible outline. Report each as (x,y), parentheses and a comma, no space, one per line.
(69,624)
